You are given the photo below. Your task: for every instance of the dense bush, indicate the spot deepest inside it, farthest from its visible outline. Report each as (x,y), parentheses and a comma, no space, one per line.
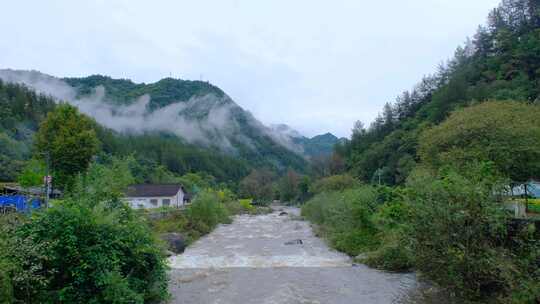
(334,183)
(345,218)
(206,212)
(368,220)
(460,239)
(240,206)
(74,253)
(504,133)
(89,248)
(393,253)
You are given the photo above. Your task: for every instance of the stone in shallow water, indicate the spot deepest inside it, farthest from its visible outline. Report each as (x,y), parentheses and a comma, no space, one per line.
(294,242)
(175,242)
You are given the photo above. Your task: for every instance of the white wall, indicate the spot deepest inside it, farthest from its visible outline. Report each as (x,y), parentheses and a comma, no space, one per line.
(145,202)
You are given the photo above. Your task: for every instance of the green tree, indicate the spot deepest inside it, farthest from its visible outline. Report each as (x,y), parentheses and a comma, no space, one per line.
(504,133)
(67,140)
(458,229)
(288,186)
(32,174)
(258,185)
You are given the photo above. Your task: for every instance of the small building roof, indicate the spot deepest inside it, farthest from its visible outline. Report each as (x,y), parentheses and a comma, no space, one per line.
(36,191)
(153,190)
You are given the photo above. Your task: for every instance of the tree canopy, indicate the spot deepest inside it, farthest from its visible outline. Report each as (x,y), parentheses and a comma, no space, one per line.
(504,133)
(67,141)
(501,62)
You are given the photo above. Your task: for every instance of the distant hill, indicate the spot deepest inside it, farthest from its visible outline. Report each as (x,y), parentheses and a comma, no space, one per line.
(315,146)
(319,145)
(196,112)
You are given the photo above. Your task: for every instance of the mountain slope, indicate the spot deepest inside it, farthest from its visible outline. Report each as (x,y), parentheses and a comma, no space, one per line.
(22,110)
(319,145)
(197,112)
(502,62)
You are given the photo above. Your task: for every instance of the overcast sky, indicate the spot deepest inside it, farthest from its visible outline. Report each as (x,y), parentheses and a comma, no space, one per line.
(317,66)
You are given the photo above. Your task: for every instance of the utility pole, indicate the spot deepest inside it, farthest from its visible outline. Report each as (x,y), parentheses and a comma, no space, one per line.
(47,180)
(526,197)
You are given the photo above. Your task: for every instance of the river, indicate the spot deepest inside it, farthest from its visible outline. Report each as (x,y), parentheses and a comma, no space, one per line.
(258,259)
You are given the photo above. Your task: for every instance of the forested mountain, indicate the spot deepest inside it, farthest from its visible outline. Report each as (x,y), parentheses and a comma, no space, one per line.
(23,110)
(319,145)
(186,126)
(501,62)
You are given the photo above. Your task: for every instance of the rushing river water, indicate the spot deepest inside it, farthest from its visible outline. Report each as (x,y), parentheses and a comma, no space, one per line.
(249,261)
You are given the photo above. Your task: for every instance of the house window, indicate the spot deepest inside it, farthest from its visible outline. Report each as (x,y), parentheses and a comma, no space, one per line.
(166,202)
(153,202)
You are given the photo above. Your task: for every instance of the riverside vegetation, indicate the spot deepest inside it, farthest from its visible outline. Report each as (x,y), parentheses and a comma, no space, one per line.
(425,187)
(90,247)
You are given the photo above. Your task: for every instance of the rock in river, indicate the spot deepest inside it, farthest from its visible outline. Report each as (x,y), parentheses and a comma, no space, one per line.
(175,242)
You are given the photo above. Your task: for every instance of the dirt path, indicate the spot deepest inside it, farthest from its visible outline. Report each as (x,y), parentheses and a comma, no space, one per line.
(249,261)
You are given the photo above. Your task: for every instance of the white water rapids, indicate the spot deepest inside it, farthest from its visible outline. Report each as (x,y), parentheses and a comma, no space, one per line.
(248,262)
(259,242)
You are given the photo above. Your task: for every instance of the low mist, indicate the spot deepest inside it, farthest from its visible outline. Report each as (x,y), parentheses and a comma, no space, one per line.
(204,120)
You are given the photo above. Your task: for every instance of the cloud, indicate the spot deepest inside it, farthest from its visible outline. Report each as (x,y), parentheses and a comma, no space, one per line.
(206,120)
(202,120)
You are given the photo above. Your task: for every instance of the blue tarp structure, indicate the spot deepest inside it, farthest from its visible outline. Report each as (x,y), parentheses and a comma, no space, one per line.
(20,202)
(533,189)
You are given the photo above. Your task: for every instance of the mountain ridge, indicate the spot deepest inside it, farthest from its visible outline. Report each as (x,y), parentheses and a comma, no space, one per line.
(195,111)
(315,146)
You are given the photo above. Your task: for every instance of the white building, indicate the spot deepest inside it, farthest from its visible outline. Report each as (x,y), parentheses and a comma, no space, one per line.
(156,195)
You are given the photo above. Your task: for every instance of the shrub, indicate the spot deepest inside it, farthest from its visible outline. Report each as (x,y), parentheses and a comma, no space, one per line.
(74,253)
(458,230)
(175,220)
(393,254)
(345,218)
(334,183)
(240,206)
(246,204)
(206,212)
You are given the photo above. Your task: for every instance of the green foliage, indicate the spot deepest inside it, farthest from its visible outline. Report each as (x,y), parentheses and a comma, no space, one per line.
(240,206)
(80,254)
(394,252)
(500,63)
(258,185)
(246,204)
(67,140)
(289,186)
(103,182)
(334,183)
(32,174)
(162,93)
(88,248)
(319,145)
(252,146)
(195,182)
(506,134)
(345,218)
(163,158)
(206,212)
(459,236)
(21,112)
(175,220)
